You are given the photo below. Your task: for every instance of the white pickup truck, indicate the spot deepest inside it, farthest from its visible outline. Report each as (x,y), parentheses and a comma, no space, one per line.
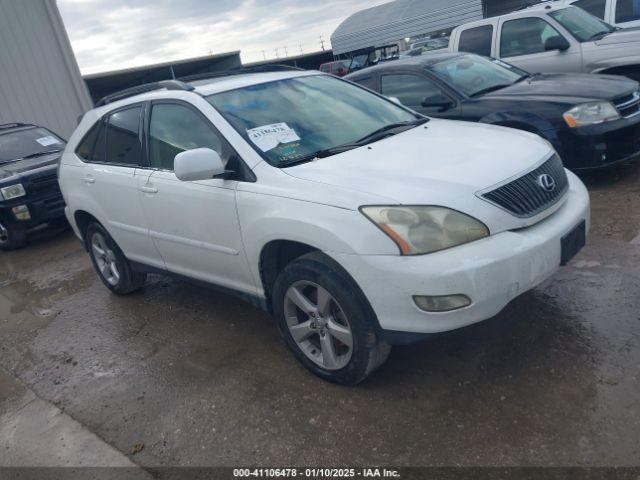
(553,37)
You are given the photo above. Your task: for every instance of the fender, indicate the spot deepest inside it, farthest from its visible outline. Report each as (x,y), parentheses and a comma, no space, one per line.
(600,66)
(331,230)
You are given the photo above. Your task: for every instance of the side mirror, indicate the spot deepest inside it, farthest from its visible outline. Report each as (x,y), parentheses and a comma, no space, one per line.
(556,43)
(198,164)
(395,100)
(438,101)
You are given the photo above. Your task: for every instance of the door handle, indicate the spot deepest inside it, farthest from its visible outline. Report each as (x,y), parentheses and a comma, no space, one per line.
(89,180)
(149,189)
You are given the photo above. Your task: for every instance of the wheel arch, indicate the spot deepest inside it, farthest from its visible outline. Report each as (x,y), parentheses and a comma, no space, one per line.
(630,71)
(275,255)
(529,122)
(82,220)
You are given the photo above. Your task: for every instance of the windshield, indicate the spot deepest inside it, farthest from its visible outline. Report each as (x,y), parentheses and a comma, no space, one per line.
(291,119)
(473,74)
(581,24)
(23,143)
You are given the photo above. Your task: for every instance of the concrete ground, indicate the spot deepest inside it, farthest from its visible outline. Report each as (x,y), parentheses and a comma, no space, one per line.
(181,375)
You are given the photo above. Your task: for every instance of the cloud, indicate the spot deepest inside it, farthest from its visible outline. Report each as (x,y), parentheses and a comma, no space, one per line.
(114,34)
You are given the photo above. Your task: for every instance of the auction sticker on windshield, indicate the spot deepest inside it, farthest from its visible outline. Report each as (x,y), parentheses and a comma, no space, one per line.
(269,137)
(46,141)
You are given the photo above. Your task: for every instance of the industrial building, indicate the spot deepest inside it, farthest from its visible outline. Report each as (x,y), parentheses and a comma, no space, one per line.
(391,22)
(106,83)
(40,81)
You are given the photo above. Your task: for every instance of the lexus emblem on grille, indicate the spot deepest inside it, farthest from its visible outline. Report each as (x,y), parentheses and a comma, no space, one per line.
(547,182)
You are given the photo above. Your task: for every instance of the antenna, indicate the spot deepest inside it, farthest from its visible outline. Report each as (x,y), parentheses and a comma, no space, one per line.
(322,42)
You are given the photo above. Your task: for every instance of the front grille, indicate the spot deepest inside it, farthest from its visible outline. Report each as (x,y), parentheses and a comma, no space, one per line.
(525,196)
(44,185)
(629,105)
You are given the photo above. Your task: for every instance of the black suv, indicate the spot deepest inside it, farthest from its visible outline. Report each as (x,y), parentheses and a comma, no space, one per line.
(29,193)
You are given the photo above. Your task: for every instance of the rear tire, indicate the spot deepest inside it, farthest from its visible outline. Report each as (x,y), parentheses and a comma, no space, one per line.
(12,238)
(112,266)
(326,320)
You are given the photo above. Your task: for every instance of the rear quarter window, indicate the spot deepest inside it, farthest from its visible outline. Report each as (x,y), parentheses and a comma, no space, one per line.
(477,40)
(87,144)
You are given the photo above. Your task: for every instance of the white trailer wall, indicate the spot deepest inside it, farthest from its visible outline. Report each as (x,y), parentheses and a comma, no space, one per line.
(39,78)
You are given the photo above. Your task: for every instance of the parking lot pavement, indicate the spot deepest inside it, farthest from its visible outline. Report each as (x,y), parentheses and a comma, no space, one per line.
(183,375)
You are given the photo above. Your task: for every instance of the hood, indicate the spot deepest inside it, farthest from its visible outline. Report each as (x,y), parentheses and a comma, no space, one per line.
(19,167)
(625,35)
(568,86)
(443,162)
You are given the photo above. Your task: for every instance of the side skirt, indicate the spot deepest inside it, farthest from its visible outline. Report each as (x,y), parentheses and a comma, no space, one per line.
(255,300)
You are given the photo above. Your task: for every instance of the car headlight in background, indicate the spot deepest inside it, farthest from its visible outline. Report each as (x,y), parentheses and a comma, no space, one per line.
(425,229)
(591,114)
(12,191)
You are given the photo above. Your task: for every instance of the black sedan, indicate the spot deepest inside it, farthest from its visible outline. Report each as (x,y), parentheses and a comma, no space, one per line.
(593,121)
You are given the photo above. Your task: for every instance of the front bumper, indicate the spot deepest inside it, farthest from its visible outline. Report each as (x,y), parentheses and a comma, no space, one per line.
(601,146)
(42,209)
(492,271)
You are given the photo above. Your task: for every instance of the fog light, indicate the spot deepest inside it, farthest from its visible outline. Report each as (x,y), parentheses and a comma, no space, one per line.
(21,212)
(444,303)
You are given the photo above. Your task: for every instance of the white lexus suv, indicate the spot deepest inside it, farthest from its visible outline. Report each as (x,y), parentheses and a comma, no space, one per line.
(356,222)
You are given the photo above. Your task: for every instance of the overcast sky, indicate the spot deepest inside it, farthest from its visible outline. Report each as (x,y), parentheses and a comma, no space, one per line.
(114,34)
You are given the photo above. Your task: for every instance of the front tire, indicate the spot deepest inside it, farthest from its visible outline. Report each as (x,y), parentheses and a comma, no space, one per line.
(11,238)
(326,321)
(112,266)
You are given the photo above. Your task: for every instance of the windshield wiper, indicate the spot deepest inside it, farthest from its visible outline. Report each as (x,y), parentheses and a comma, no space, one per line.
(386,130)
(490,89)
(601,35)
(370,138)
(39,154)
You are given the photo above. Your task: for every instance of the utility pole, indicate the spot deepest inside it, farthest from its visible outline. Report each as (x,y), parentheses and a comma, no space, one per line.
(301,52)
(276,50)
(286,53)
(264,55)
(322,43)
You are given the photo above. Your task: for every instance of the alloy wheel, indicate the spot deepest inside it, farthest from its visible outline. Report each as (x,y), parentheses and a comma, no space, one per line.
(105,259)
(318,325)
(4,235)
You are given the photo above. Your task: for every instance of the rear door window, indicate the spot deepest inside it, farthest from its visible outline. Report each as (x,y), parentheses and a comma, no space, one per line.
(368,82)
(123,146)
(477,40)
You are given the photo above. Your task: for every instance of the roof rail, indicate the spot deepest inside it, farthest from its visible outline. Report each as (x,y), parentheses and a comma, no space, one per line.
(276,67)
(14,125)
(147,87)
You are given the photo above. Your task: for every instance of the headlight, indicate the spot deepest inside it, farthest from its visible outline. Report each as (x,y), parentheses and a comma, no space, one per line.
(12,191)
(419,230)
(591,114)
